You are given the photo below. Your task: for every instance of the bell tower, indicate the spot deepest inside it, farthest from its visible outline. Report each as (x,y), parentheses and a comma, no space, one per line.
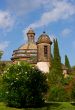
(31,35)
(44,48)
(44,52)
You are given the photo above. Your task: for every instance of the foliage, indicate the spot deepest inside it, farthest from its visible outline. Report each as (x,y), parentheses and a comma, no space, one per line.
(73,90)
(55,77)
(51,62)
(1,64)
(1,53)
(73,70)
(1,90)
(57,91)
(60,88)
(55,74)
(57,58)
(24,85)
(57,94)
(67,63)
(2,67)
(67,80)
(73,67)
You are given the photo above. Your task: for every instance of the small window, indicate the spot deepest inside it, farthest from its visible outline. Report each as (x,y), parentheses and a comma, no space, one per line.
(45,51)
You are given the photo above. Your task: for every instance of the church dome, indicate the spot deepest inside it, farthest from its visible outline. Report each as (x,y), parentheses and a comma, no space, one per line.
(26,52)
(28,46)
(44,38)
(31,31)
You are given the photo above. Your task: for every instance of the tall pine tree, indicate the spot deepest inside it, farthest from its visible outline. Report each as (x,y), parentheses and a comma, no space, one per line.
(55,75)
(51,62)
(67,63)
(57,58)
(56,90)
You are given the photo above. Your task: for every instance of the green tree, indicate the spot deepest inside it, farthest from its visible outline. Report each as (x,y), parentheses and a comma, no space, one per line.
(67,63)
(2,65)
(56,90)
(57,58)
(55,74)
(1,53)
(58,94)
(51,62)
(55,77)
(24,86)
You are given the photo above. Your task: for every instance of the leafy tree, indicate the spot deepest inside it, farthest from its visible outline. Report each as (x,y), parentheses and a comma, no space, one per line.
(24,85)
(67,63)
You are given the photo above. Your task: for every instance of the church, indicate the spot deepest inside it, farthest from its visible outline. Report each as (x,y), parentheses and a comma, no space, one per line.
(36,53)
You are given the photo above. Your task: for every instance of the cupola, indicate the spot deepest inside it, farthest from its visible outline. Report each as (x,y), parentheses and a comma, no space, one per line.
(31,35)
(44,38)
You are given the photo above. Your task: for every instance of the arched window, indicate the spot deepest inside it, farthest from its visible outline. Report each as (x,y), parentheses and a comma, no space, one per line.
(45,51)
(31,38)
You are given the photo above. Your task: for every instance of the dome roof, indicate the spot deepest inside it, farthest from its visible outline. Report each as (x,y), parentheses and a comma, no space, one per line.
(44,38)
(31,31)
(28,46)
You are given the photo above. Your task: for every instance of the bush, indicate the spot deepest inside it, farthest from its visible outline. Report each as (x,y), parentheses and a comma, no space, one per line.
(58,94)
(2,67)
(24,86)
(1,90)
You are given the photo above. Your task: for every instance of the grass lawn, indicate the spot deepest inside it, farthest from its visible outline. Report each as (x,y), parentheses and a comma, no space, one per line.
(63,106)
(3,107)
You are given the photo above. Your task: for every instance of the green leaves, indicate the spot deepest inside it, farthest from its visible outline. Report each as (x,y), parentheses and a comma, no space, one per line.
(1,53)
(57,58)
(25,85)
(67,63)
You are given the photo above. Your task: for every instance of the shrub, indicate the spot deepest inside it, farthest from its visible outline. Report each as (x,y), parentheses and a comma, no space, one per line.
(58,94)
(24,85)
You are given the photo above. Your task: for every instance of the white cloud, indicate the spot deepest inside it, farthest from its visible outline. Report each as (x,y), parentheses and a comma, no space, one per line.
(66,32)
(61,10)
(22,7)
(6,20)
(4,45)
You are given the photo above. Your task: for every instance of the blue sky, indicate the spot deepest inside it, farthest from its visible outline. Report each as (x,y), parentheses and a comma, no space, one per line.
(56,17)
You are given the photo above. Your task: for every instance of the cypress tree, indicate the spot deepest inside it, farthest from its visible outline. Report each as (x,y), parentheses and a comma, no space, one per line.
(51,62)
(67,63)
(57,58)
(56,90)
(55,76)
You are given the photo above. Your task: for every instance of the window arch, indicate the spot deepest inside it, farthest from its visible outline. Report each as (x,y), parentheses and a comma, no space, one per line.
(45,51)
